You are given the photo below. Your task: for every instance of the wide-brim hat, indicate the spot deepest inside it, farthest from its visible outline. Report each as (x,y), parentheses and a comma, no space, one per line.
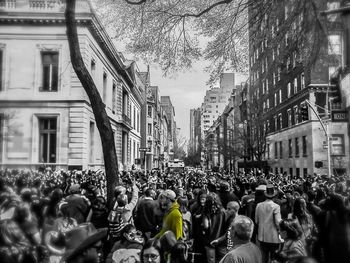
(87,243)
(270,191)
(77,241)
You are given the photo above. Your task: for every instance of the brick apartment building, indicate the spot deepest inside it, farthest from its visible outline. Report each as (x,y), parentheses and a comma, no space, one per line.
(282,78)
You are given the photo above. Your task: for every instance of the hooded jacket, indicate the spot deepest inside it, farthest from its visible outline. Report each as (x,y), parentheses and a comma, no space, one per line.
(172,221)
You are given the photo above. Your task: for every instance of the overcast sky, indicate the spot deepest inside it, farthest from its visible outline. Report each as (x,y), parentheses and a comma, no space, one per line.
(186,91)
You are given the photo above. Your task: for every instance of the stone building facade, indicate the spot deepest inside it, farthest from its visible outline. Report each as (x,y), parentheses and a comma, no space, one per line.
(46,117)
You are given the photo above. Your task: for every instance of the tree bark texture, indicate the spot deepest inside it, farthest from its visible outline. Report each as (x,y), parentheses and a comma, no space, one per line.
(98,107)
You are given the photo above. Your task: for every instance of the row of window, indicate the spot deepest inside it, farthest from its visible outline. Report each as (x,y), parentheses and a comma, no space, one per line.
(337,147)
(135,118)
(292,88)
(293,150)
(297,23)
(278,120)
(334,48)
(276,77)
(281,170)
(293,117)
(128,109)
(50,83)
(48,141)
(275,29)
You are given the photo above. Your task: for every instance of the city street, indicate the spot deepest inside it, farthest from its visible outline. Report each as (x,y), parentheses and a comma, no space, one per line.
(174,131)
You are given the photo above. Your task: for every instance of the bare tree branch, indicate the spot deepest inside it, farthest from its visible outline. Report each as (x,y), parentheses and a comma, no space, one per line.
(177,33)
(223,2)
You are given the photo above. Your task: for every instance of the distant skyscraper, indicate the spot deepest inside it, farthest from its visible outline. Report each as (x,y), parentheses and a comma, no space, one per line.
(195,130)
(169,110)
(216,98)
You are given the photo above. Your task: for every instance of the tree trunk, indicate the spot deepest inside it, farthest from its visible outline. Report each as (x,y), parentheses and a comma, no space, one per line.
(98,107)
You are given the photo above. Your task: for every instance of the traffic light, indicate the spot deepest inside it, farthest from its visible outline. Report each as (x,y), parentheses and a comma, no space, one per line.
(335,86)
(304,112)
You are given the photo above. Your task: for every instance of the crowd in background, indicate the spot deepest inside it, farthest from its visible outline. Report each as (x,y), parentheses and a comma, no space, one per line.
(192,216)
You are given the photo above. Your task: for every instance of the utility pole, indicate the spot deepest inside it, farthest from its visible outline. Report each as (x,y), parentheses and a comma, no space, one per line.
(327,134)
(325,125)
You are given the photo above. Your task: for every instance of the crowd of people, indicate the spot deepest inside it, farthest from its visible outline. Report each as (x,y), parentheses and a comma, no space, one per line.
(194,216)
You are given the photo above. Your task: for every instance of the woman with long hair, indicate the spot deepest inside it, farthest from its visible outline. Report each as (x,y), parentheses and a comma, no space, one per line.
(50,211)
(186,217)
(293,247)
(213,225)
(301,214)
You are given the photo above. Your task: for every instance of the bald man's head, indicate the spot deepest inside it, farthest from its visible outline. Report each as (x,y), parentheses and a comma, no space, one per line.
(242,228)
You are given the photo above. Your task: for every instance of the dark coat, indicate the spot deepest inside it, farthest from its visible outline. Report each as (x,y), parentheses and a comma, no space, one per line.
(77,208)
(333,224)
(145,216)
(226,197)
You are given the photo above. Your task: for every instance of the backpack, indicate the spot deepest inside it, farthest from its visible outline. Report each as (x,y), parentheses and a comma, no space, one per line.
(116,221)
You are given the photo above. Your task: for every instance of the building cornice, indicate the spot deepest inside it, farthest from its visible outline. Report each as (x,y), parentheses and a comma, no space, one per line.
(301,94)
(88,19)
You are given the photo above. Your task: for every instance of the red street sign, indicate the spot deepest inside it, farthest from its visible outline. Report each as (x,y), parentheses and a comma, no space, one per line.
(339,116)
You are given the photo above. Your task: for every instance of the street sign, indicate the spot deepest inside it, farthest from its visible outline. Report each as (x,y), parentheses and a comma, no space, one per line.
(339,116)
(318,164)
(145,149)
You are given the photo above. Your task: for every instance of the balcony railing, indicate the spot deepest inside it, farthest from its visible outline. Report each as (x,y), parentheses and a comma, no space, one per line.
(126,119)
(39,5)
(43,4)
(33,5)
(8,4)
